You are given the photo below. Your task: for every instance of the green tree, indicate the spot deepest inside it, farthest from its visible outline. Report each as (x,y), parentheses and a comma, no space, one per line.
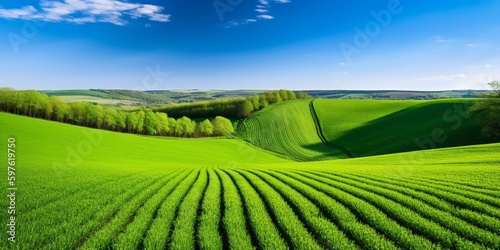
(77,112)
(150,123)
(488,111)
(121,118)
(283,94)
(302,95)
(184,127)
(46,107)
(172,126)
(109,119)
(131,122)
(206,128)
(162,127)
(140,121)
(60,108)
(277,97)
(93,115)
(255,102)
(33,101)
(222,126)
(8,99)
(245,109)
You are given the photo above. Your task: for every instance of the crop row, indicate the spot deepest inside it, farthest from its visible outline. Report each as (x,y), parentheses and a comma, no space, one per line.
(228,208)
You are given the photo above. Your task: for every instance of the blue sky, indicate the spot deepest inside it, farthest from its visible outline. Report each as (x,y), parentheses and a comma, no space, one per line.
(249,44)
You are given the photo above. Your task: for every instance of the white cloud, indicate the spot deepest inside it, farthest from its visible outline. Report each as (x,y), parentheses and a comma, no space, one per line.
(22,13)
(488,65)
(473,45)
(342,63)
(262,9)
(87,11)
(265,17)
(233,23)
(444,77)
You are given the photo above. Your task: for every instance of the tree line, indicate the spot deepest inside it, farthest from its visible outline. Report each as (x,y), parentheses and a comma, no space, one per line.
(488,111)
(234,107)
(35,104)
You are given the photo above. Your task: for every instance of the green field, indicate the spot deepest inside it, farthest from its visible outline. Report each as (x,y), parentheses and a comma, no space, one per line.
(373,127)
(81,188)
(288,129)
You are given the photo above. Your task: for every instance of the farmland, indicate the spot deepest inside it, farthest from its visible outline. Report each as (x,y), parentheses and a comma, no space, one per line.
(289,130)
(82,188)
(369,127)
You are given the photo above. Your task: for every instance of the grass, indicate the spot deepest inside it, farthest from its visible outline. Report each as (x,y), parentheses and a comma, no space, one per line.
(80,188)
(99,100)
(371,127)
(289,130)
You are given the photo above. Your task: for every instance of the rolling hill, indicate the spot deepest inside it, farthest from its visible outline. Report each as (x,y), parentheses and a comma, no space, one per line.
(288,129)
(373,127)
(81,188)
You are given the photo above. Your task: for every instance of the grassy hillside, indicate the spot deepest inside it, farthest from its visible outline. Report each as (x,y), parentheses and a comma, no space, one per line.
(135,192)
(288,129)
(368,127)
(117,148)
(337,117)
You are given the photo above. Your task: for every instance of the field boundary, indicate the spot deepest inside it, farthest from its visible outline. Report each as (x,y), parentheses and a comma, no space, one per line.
(319,130)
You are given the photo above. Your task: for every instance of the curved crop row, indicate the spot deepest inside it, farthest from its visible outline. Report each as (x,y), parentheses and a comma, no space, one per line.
(453,198)
(265,229)
(288,129)
(363,235)
(286,218)
(446,220)
(478,219)
(319,225)
(158,234)
(369,214)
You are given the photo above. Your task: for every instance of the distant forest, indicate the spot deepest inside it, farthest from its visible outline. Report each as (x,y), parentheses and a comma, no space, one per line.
(144,121)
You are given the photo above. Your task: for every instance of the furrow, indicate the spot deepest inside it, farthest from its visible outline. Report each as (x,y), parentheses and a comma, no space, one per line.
(364,235)
(446,220)
(324,231)
(455,199)
(208,234)
(414,223)
(236,219)
(184,229)
(104,236)
(158,233)
(265,228)
(134,231)
(483,221)
(287,220)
